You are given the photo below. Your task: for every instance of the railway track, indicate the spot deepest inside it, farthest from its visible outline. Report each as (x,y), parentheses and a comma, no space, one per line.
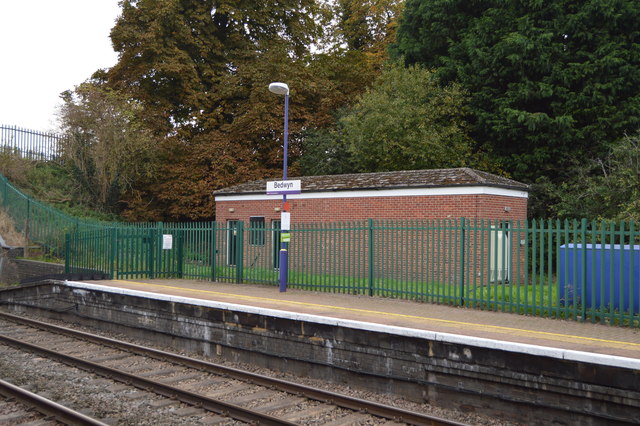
(214,392)
(21,406)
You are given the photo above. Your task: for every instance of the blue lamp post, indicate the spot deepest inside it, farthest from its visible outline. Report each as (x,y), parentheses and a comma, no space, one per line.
(283,89)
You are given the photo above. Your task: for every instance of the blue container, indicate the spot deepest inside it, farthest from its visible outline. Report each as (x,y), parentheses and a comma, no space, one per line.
(604,285)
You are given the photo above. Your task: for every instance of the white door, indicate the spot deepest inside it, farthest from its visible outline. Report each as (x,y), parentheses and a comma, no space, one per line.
(499,253)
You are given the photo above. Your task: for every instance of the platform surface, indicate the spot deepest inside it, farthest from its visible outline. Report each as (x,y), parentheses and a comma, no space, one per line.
(507,327)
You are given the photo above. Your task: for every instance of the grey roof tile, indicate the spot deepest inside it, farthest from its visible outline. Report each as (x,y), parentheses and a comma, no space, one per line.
(386,180)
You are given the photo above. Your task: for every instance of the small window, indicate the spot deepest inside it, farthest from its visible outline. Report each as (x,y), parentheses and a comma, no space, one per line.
(256,230)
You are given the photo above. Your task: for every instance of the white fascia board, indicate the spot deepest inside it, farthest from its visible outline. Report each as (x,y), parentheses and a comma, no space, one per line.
(408,192)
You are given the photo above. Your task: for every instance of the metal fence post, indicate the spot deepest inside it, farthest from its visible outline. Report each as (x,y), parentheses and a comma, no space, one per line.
(180,254)
(632,297)
(213,250)
(158,248)
(583,272)
(462,253)
(239,251)
(152,238)
(114,253)
(371,252)
(26,229)
(67,253)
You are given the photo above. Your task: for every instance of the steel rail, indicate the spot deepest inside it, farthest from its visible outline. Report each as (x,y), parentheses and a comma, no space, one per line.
(47,407)
(344,401)
(210,404)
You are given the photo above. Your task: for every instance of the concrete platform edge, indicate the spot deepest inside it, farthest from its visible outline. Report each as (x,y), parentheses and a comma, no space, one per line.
(528,349)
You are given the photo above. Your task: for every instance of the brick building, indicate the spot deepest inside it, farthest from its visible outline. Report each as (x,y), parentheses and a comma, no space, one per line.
(414,194)
(439,194)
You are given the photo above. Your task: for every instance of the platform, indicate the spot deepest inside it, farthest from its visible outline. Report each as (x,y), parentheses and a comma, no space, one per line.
(529,370)
(589,338)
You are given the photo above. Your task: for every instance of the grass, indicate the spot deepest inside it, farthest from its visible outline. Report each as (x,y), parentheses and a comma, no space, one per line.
(44,258)
(538,300)
(8,231)
(51,184)
(491,296)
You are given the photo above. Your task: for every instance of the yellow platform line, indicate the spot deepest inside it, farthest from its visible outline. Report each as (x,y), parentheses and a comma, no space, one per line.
(503,329)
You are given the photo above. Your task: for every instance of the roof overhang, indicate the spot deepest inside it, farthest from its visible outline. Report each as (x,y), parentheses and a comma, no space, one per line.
(364,193)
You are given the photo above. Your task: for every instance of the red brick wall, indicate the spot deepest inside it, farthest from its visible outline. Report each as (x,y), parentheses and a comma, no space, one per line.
(348,209)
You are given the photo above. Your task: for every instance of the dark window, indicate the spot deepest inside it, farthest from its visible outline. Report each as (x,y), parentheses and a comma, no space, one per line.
(256,231)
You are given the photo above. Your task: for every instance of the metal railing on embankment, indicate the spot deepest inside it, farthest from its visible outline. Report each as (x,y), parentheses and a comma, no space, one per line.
(30,144)
(563,269)
(39,222)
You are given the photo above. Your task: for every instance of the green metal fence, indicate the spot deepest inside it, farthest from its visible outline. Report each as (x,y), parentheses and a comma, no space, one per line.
(43,224)
(588,271)
(38,222)
(570,269)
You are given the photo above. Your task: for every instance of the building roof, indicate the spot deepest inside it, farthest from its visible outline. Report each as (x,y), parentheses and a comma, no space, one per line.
(430,178)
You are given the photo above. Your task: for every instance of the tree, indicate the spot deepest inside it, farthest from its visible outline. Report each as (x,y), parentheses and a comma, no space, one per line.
(548,80)
(248,145)
(174,54)
(407,121)
(604,188)
(367,26)
(201,72)
(107,147)
(324,151)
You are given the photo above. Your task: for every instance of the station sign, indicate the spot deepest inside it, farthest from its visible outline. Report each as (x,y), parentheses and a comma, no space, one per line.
(281,187)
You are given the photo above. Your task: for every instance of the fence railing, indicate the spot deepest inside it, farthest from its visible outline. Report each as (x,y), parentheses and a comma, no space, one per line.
(30,144)
(588,271)
(43,224)
(570,269)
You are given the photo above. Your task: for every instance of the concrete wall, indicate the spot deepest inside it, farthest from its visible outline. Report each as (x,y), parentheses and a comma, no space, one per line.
(13,270)
(508,381)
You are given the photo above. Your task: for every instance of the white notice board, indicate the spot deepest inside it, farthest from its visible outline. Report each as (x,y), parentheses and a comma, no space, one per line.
(167,242)
(285,221)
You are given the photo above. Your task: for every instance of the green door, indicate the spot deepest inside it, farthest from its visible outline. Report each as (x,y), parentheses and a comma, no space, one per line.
(232,242)
(135,253)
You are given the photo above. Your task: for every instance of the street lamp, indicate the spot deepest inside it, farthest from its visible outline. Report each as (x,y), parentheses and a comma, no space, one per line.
(283,89)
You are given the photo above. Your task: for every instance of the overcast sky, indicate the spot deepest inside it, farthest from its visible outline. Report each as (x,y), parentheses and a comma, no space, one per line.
(47,47)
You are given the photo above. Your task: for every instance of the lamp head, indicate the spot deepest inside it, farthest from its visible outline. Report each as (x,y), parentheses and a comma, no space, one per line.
(279,88)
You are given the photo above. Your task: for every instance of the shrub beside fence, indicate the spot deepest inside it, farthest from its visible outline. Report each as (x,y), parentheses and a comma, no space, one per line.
(562,269)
